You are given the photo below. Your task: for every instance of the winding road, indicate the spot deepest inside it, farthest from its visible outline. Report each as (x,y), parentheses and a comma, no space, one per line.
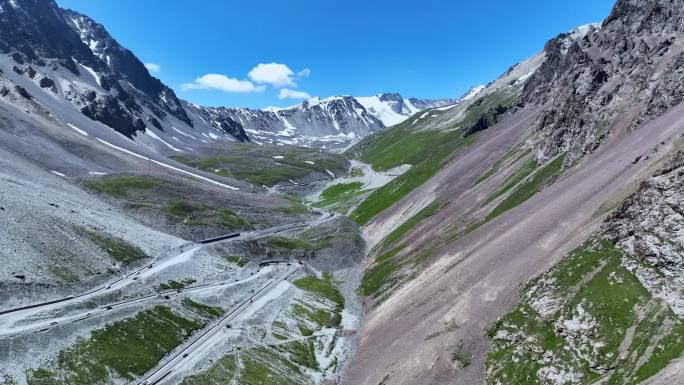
(9,318)
(205,336)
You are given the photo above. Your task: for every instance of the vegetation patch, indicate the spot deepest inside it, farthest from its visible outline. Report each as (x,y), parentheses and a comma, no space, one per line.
(321,317)
(341,197)
(176,285)
(426,150)
(296,207)
(525,190)
(337,190)
(356,172)
(301,353)
(304,331)
(229,218)
(345,202)
(258,366)
(322,287)
(64,274)
(236,260)
(224,370)
(590,318)
(201,309)
(519,175)
(412,222)
(377,276)
(119,187)
(279,336)
(124,350)
(516,153)
(433,157)
(267,165)
(118,249)
(189,214)
(296,244)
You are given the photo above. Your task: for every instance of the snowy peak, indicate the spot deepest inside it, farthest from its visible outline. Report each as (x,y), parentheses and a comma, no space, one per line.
(426,104)
(327,123)
(473,92)
(123,62)
(392,108)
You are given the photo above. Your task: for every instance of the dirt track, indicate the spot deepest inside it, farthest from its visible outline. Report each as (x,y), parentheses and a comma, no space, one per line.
(475,280)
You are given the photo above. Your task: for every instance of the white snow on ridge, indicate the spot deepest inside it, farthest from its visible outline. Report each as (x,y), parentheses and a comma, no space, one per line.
(382,110)
(412,109)
(154,136)
(182,133)
(289,130)
(93,73)
(473,92)
(77,129)
(577,34)
(114,146)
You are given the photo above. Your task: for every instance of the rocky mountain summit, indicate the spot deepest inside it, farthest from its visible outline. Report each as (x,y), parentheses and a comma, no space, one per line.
(330,122)
(50,45)
(55,60)
(631,65)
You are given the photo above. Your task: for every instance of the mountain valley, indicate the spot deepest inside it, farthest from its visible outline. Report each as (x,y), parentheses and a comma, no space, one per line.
(530,231)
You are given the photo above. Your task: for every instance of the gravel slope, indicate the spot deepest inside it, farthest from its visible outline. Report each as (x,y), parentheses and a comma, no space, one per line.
(474,281)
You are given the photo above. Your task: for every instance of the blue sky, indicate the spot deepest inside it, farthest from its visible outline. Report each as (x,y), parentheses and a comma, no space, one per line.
(427,49)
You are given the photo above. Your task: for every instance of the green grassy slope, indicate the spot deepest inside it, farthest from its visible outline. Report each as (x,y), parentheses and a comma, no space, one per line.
(590,318)
(266,165)
(426,149)
(122,350)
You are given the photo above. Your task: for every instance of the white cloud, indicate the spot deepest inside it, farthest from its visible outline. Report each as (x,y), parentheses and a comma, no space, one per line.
(304,73)
(287,93)
(223,83)
(153,68)
(277,75)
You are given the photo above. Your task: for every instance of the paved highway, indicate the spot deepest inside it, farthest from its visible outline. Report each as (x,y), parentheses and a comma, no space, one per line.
(9,317)
(205,336)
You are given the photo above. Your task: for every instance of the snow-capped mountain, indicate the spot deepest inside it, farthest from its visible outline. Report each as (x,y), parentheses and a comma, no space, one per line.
(65,66)
(70,57)
(426,104)
(473,92)
(392,108)
(329,123)
(332,122)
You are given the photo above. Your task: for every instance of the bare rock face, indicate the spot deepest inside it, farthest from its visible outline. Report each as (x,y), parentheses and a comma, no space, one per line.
(629,67)
(39,34)
(650,226)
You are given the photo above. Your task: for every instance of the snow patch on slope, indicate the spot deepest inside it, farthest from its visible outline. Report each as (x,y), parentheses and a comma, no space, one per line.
(383,111)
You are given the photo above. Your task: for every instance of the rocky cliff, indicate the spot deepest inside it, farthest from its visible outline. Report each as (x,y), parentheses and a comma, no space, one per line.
(630,66)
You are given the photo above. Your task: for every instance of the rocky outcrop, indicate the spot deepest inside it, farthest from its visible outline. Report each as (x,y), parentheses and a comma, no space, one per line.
(629,68)
(38,34)
(424,104)
(124,63)
(649,225)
